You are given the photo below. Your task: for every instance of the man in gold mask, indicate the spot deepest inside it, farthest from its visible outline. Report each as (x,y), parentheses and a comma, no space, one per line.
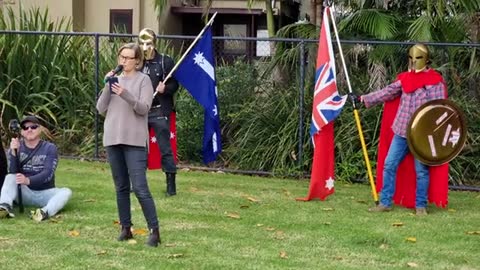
(401,99)
(157,66)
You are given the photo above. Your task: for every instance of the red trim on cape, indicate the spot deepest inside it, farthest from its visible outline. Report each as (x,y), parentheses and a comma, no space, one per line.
(411,81)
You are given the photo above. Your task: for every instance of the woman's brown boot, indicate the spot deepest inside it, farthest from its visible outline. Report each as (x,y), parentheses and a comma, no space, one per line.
(125,234)
(154,238)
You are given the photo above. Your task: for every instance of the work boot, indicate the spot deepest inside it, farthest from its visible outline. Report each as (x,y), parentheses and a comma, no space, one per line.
(6,211)
(154,238)
(171,185)
(125,234)
(421,211)
(380,208)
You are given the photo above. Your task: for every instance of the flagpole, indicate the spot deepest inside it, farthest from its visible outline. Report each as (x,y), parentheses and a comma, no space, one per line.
(355,112)
(188,50)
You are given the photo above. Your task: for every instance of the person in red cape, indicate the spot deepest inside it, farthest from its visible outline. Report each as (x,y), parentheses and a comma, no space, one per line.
(402,178)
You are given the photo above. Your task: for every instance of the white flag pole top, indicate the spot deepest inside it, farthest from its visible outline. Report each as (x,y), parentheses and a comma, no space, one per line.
(188,50)
(332,10)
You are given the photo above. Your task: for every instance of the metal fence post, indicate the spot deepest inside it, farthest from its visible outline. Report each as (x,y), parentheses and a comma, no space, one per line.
(300,105)
(97,51)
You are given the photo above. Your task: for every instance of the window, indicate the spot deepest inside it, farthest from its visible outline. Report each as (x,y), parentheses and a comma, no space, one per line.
(235,46)
(121,21)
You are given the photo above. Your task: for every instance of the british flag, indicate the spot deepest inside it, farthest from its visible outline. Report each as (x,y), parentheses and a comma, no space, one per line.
(327,103)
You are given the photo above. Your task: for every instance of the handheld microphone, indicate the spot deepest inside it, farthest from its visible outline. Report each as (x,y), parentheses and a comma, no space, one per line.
(117,70)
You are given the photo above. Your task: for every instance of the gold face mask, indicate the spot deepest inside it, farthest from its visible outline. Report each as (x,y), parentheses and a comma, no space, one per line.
(418,58)
(146,40)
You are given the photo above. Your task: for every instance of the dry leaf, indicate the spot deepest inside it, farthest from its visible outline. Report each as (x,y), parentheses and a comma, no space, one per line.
(412,264)
(132,241)
(116,222)
(89,200)
(244,206)
(397,224)
(102,252)
(327,209)
(170,245)
(286,192)
(383,246)
(194,189)
(362,201)
(140,232)
(259,225)
(270,229)
(338,258)
(233,215)
(221,172)
(173,256)
(279,235)
(474,232)
(451,210)
(293,155)
(283,254)
(252,199)
(73,233)
(327,223)
(411,239)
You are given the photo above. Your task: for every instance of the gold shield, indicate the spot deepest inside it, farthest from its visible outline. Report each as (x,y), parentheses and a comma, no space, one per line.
(437,132)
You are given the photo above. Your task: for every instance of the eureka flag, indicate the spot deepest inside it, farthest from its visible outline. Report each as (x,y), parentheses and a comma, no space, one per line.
(327,105)
(197,74)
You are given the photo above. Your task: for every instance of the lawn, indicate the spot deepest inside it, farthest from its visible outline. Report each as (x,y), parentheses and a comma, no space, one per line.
(224,221)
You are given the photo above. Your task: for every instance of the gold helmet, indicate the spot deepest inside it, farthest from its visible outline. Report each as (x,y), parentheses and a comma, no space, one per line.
(147,40)
(418,58)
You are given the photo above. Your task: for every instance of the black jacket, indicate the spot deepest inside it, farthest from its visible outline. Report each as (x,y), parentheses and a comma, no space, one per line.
(157,69)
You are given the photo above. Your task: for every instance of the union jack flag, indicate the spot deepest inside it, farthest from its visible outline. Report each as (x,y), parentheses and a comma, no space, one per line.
(327,104)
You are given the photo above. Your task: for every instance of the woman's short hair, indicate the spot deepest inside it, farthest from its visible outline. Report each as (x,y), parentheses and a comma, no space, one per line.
(138,53)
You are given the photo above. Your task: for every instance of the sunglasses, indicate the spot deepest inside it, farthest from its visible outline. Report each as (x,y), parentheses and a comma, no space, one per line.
(32,127)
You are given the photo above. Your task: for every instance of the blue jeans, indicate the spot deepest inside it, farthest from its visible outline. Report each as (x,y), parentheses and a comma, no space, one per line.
(161,126)
(50,200)
(397,152)
(129,163)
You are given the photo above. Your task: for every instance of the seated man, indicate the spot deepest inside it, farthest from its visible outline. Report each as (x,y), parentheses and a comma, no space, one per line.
(34,171)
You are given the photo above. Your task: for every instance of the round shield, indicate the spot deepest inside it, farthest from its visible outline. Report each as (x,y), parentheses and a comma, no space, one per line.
(436,132)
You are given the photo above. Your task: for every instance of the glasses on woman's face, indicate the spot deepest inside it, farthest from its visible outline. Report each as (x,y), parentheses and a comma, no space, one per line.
(32,127)
(125,58)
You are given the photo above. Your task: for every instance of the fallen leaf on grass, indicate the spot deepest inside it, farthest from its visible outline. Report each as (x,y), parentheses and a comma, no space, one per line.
(327,223)
(244,206)
(270,229)
(327,209)
(221,172)
(102,252)
(174,256)
(412,264)
(362,201)
(132,241)
(452,210)
(283,255)
(116,222)
(73,233)
(233,215)
(474,232)
(252,199)
(259,225)
(286,192)
(411,239)
(397,224)
(142,232)
(383,246)
(89,200)
(170,245)
(279,235)
(338,258)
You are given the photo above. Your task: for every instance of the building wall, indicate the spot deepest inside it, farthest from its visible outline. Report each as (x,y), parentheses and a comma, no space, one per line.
(97,14)
(57,9)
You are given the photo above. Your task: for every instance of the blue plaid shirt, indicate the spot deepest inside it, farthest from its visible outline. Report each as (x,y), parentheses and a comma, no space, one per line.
(409,102)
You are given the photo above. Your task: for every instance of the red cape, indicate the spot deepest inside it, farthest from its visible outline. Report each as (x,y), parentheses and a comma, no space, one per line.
(405,185)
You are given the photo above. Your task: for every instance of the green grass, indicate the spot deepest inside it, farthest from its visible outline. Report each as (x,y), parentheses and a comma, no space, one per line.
(197,232)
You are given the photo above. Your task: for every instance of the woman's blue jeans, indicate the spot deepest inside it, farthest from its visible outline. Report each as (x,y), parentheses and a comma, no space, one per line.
(397,152)
(129,163)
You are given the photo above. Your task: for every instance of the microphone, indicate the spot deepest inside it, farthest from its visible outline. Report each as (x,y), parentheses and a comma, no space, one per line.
(117,70)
